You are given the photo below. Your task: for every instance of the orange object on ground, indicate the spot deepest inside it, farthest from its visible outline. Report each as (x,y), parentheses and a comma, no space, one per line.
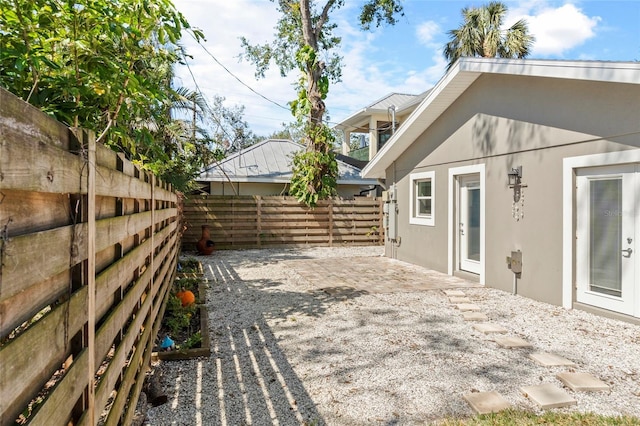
(186,297)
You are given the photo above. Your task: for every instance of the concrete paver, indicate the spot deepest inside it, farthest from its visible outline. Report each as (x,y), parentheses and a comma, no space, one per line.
(458,299)
(488,328)
(474,316)
(582,382)
(464,307)
(454,293)
(550,360)
(512,342)
(548,396)
(486,402)
(373,275)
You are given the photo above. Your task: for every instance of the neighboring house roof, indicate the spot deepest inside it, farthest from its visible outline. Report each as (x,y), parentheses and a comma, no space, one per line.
(401,101)
(269,161)
(462,75)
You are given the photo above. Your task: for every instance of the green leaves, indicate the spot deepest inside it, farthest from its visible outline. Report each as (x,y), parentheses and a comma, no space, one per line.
(482,35)
(103,65)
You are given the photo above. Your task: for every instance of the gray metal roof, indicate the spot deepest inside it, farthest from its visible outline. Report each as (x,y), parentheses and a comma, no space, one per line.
(270,161)
(401,101)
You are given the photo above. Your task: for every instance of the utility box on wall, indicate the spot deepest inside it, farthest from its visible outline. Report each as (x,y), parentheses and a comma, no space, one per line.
(515,262)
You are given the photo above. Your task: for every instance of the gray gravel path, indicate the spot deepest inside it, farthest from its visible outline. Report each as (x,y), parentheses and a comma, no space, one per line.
(286,352)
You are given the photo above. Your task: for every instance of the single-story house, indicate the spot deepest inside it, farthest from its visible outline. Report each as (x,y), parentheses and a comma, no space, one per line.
(266,169)
(525,176)
(377,122)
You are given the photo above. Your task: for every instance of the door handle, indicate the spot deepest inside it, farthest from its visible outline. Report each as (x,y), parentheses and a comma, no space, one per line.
(461,228)
(628,252)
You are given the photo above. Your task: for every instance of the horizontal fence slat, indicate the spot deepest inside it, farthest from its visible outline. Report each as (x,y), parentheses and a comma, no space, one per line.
(233,221)
(30,360)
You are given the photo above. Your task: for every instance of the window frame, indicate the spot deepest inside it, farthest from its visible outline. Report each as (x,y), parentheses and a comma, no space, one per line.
(414,217)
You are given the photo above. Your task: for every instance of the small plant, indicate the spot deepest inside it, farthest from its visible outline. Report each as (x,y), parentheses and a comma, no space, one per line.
(194,341)
(187,283)
(177,317)
(188,264)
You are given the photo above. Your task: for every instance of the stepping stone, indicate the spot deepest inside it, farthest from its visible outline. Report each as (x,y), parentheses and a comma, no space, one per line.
(488,328)
(550,360)
(486,402)
(464,307)
(454,293)
(582,382)
(512,342)
(474,316)
(457,299)
(548,396)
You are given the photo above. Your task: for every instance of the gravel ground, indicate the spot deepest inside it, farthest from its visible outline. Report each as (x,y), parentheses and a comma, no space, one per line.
(285,352)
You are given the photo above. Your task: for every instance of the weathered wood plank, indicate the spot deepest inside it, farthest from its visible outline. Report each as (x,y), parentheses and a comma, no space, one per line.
(20,121)
(55,250)
(26,212)
(133,367)
(119,317)
(57,408)
(121,272)
(35,165)
(29,361)
(26,304)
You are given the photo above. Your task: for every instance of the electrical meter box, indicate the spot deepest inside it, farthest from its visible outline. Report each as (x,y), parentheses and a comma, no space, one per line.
(516,262)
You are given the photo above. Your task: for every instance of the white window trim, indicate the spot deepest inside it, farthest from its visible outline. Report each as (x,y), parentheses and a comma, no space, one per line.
(417,220)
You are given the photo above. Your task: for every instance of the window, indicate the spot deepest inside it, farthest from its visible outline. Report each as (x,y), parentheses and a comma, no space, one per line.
(422,198)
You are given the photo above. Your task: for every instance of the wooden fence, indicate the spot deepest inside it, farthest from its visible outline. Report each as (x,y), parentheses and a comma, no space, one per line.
(255,221)
(88,247)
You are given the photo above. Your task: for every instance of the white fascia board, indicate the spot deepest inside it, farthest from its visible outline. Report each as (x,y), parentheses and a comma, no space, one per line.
(602,71)
(445,92)
(464,72)
(349,123)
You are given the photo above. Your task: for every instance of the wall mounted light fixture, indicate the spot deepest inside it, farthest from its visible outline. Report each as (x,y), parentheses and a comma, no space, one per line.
(515,182)
(515,176)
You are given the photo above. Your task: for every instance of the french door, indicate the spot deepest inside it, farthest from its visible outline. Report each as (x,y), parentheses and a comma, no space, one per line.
(608,228)
(469,223)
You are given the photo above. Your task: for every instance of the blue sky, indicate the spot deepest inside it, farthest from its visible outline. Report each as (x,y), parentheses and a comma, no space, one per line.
(404,58)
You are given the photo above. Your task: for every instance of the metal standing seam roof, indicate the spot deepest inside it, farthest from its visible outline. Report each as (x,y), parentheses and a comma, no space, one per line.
(269,161)
(401,101)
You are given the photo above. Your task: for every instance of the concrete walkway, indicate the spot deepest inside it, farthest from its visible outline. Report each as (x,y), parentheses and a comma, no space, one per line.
(373,275)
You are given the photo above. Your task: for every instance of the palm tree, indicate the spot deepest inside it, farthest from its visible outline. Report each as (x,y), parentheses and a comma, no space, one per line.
(482,35)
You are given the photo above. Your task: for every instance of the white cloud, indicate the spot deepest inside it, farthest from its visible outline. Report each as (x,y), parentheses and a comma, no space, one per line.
(427,32)
(223,23)
(556,29)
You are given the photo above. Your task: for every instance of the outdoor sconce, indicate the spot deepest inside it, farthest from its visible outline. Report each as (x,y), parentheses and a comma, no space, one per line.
(515,177)
(515,183)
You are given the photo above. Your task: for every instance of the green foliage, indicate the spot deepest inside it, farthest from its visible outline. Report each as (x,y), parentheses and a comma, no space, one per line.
(178,317)
(107,66)
(481,34)
(526,418)
(304,40)
(194,341)
(314,176)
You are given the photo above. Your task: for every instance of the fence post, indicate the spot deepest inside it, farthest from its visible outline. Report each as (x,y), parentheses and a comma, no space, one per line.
(330,205)
(87,140)
(259,220)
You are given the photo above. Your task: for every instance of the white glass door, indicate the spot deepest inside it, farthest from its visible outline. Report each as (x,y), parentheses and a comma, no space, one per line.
(469,223)
(607,231)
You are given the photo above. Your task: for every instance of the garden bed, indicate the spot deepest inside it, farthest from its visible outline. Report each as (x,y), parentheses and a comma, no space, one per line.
(186,317)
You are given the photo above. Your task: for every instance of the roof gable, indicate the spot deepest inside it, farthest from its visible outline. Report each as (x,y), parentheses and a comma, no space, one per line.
(465,72)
